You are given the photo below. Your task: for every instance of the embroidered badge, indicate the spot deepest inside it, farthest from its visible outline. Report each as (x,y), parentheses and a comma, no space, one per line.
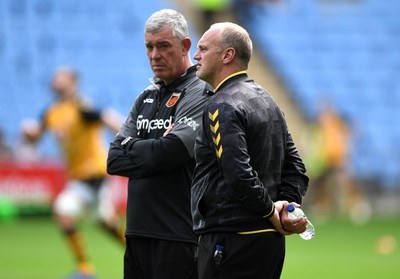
(173,99)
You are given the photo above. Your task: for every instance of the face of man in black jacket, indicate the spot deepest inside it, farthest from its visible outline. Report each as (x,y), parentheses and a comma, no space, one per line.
(168,54)
(219,56)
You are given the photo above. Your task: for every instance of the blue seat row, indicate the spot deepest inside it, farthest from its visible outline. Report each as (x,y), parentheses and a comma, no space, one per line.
(102,39)
(346,52)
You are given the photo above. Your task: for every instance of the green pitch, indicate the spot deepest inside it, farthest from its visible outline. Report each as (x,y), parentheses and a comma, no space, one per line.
(34,249)
(343,250)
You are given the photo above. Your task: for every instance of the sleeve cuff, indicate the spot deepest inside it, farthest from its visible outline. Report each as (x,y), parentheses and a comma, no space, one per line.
(271,212)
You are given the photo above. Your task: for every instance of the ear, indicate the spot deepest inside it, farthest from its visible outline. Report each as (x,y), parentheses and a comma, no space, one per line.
(228,55)
(186,44)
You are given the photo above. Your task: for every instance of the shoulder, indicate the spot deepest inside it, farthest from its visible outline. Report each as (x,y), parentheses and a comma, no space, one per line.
(192,83)
(218,104)
(148,95)
(196,90)
(243,91)
(84,103)
(149,90)
(232,99)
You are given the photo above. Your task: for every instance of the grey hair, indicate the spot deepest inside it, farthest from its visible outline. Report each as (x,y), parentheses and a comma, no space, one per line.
(236,37)
(171,18)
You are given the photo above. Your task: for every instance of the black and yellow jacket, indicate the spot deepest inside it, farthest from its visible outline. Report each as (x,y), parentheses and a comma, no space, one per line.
(245,160)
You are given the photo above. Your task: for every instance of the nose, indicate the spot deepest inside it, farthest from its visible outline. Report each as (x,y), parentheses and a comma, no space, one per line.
(154,54)
(196,56)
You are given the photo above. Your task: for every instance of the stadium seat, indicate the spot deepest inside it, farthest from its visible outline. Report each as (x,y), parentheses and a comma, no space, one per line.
(102,39)
(347,50)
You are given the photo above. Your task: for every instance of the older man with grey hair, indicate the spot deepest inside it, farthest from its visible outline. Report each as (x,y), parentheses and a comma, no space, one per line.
(155,148)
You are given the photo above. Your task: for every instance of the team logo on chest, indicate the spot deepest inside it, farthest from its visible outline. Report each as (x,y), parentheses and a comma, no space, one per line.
(173,99)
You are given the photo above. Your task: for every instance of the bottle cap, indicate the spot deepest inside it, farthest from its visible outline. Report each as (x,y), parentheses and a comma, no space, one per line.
(290,208)
(219,247)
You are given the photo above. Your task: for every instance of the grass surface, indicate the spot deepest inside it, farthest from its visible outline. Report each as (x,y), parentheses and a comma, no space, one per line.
(343,250)
(34,249)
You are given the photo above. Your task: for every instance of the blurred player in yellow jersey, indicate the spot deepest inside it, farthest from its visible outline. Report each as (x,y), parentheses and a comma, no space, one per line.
(78,130)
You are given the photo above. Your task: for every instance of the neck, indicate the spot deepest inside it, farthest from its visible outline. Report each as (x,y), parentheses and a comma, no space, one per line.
(186,65)
(68,96)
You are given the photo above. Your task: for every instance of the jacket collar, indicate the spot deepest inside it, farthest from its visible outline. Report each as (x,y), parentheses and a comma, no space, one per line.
(229,79)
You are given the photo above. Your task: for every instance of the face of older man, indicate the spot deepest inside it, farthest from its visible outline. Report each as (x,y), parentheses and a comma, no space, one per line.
(166,54)
(209,56)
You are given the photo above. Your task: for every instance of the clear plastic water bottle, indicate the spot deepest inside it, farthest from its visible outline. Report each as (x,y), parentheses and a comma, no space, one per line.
(295,212)
(218,254)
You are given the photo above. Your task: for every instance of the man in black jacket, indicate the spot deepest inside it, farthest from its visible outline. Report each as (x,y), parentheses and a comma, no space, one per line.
(154,148)
(248,168)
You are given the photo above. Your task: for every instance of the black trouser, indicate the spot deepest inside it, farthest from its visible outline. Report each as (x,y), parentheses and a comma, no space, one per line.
(148,258)
(253,256)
